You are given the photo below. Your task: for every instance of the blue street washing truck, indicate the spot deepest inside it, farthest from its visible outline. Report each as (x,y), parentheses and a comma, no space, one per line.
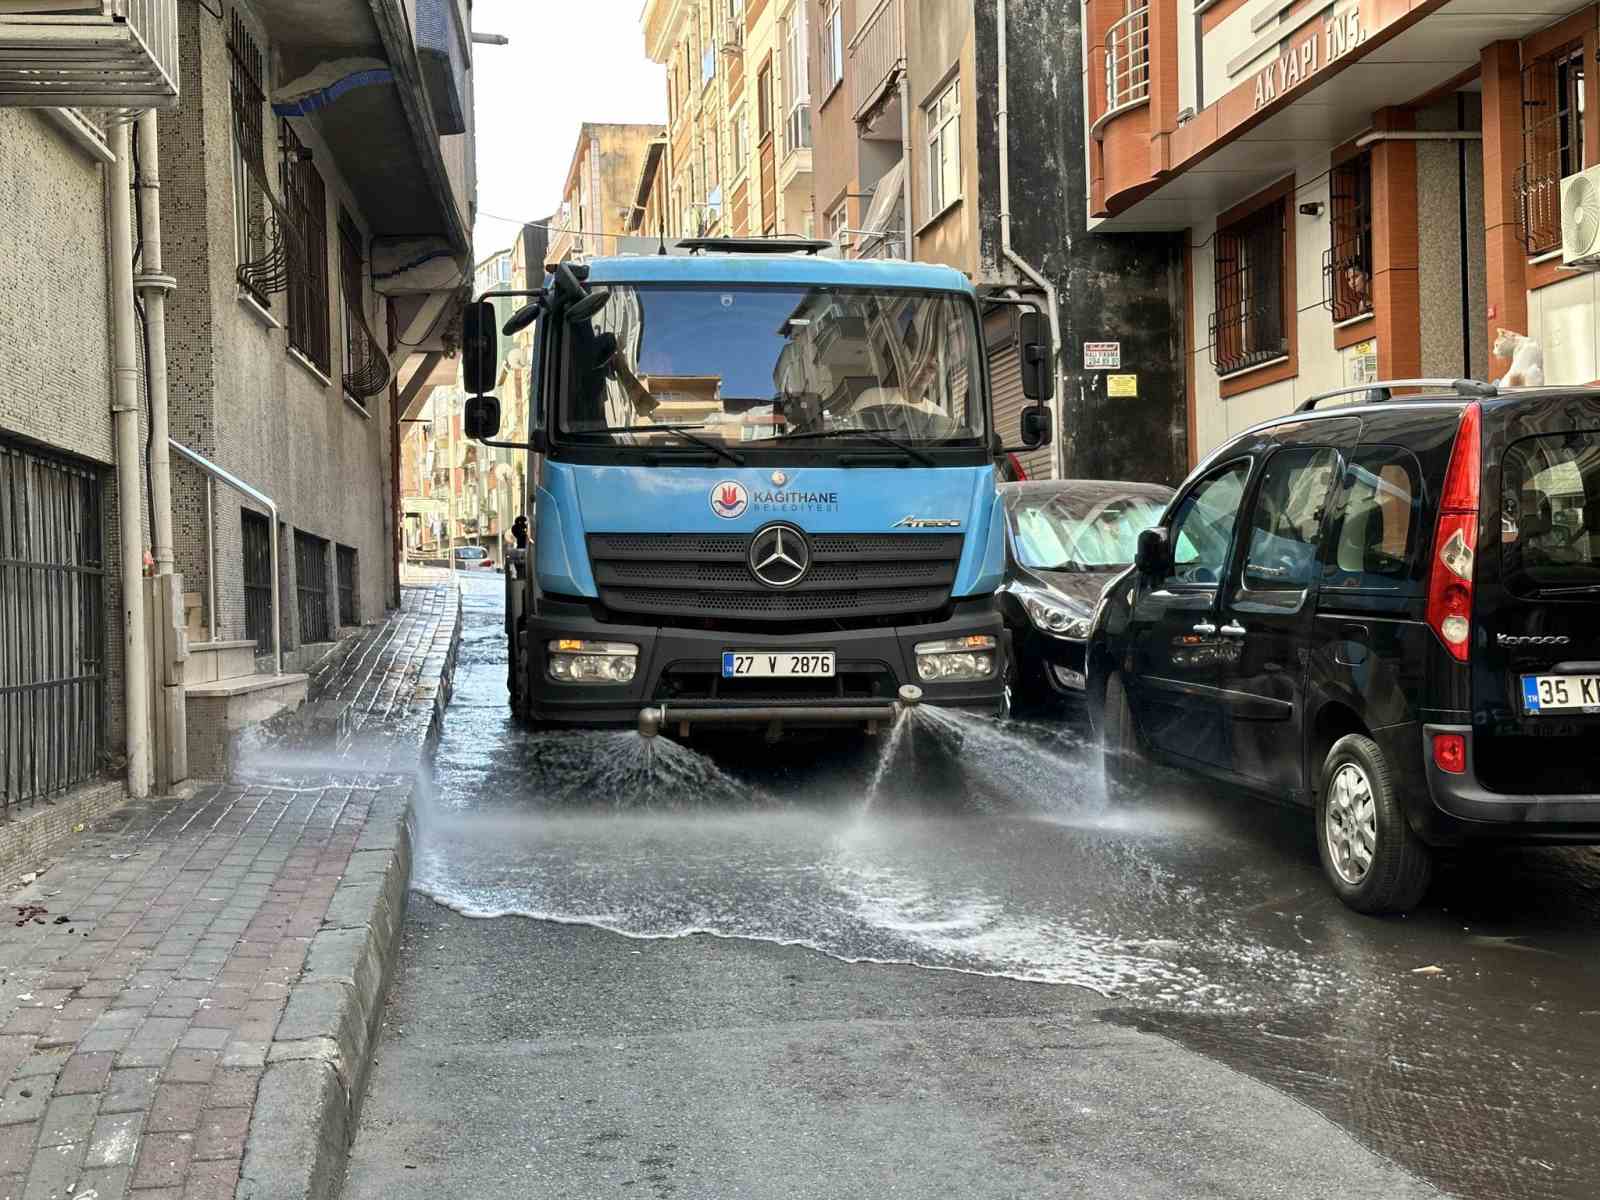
(765,489)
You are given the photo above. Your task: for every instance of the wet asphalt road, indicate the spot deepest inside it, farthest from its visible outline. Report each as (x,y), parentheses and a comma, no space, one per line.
(1151,998)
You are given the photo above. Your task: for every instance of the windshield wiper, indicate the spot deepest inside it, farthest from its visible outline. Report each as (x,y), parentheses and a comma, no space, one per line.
(682,431)
(882,439)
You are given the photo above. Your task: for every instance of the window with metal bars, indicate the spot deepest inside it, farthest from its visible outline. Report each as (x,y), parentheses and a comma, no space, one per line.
(259,250)
(258,599)
(1249,324)
(1347,263)
(1552,143)
(311,582)
(346,560)
(308,279)
(366,368)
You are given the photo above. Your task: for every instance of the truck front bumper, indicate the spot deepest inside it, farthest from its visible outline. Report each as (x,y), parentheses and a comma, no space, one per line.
(679,670)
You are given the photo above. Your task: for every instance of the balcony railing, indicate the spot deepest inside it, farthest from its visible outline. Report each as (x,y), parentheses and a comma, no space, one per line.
(116,54)
(877,56)
(1128,61)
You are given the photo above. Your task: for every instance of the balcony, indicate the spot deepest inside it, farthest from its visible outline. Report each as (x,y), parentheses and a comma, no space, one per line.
(877,56)
(1127,65)
(116,54)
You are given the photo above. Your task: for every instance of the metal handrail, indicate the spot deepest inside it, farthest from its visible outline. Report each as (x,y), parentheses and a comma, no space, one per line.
(214,472)
(1128,61)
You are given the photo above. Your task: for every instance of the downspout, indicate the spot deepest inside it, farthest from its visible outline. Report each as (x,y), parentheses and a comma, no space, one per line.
(1006,249)
(125,429)
(905,137)
(153,285)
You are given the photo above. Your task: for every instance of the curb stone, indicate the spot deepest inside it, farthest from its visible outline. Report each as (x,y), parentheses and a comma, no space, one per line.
(309,1099)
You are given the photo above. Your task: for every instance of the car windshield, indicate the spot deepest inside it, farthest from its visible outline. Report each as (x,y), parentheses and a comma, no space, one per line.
(747,365)
(1088,528)
(1550,529)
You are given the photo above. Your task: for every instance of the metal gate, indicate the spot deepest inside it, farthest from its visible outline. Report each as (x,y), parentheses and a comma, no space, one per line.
(311,577)
(52,623)
(258,598)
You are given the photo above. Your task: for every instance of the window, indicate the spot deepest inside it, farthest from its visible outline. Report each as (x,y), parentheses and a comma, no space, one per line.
(348,613)
(1286,520)
(1552,143)
(1347,273)
(764,102)
(944,149)
(353,287)
(1249,323)
(738,141)
(796,84)
(831,43)
(308,275)
(835,221)
(1380,512)
(1202,526)
(252,236)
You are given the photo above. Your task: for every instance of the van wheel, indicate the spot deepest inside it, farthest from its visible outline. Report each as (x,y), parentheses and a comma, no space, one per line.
(1124,764)
(1369,853)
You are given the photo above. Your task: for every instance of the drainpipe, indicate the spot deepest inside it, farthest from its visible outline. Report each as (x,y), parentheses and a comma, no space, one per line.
(1006,249)
(125,426)
(153,285)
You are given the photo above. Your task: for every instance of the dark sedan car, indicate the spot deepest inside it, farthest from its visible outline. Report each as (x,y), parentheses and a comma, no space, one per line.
(1065,540)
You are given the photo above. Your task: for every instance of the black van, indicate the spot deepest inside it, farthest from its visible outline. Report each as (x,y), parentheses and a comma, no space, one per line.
(1388,612)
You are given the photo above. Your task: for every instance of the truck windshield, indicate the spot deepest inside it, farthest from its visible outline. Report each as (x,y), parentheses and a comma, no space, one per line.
(751,365)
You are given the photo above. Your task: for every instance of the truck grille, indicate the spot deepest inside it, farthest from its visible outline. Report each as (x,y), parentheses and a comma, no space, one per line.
(705,575)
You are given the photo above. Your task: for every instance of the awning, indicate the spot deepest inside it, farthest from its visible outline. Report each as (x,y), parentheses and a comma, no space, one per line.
(883,212)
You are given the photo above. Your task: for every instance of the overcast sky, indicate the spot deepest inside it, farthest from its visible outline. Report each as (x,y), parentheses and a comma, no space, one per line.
(569,61)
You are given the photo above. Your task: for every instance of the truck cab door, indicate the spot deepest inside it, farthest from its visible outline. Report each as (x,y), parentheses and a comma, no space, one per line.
(1268,613)
(1173,640)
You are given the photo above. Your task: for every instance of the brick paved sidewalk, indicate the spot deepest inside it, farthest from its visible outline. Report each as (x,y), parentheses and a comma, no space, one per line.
(143,975)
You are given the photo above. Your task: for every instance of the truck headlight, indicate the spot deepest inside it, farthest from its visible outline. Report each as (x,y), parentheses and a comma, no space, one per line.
(573,661)
(1051,617)
(956,660)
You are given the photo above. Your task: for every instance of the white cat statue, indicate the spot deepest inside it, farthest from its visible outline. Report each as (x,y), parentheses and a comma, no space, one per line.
(1527,359)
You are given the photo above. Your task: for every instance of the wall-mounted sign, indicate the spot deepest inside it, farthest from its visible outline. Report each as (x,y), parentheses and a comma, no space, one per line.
(1122,386)
(1102,356)
(1310,53)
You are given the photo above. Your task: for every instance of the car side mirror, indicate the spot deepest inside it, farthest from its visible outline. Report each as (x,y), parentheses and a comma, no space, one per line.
(482,419)
(1154,555)
(480,348)
(1038,357)
(1037,426)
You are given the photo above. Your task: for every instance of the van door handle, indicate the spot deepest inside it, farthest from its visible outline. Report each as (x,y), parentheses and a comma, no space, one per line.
(1233,629)
(1206,628)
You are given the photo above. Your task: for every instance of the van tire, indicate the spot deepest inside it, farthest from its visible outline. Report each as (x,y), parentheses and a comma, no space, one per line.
(1123,761)
(1401,866)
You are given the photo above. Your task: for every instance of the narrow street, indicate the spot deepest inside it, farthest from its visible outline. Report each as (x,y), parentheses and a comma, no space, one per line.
(976,989)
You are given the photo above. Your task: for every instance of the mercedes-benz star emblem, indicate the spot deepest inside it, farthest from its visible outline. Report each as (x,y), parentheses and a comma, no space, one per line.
(780,556)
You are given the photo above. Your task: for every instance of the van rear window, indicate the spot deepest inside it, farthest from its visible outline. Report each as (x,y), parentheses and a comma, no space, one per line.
(1550,523)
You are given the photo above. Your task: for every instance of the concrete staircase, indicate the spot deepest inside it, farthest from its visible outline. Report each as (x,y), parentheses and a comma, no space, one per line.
(224,695)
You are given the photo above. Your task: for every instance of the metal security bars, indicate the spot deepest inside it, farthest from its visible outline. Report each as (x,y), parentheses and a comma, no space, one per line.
(366,367)
(1347,263)
(308,275)
(311,581)
(258,597)
(52,624)
(1552,143)
(1128,60)
(1248,324)
(346,558)
(263,232)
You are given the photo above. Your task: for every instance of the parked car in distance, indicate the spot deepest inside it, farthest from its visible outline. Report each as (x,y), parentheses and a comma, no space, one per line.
(1387,612)
(1065,540)
(472,557)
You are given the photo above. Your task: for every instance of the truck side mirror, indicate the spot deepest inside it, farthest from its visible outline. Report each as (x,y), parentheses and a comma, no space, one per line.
(482,419)
(1038,357)
(480,348)
(1154,555)
(1037,426)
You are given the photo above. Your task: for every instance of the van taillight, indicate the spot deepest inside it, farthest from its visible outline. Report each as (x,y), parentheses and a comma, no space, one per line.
(1456,538)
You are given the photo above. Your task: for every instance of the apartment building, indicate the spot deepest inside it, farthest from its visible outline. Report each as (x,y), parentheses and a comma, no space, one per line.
(245,273)
(952,131)
(598,198)
(1367,188)
(738,158)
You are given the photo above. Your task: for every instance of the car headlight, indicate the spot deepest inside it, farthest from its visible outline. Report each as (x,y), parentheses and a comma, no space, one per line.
(1050,616)
(956,660)
(605,663)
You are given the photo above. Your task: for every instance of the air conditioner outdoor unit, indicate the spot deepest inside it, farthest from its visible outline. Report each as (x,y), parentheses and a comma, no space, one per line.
(115,54)
(1580,218)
